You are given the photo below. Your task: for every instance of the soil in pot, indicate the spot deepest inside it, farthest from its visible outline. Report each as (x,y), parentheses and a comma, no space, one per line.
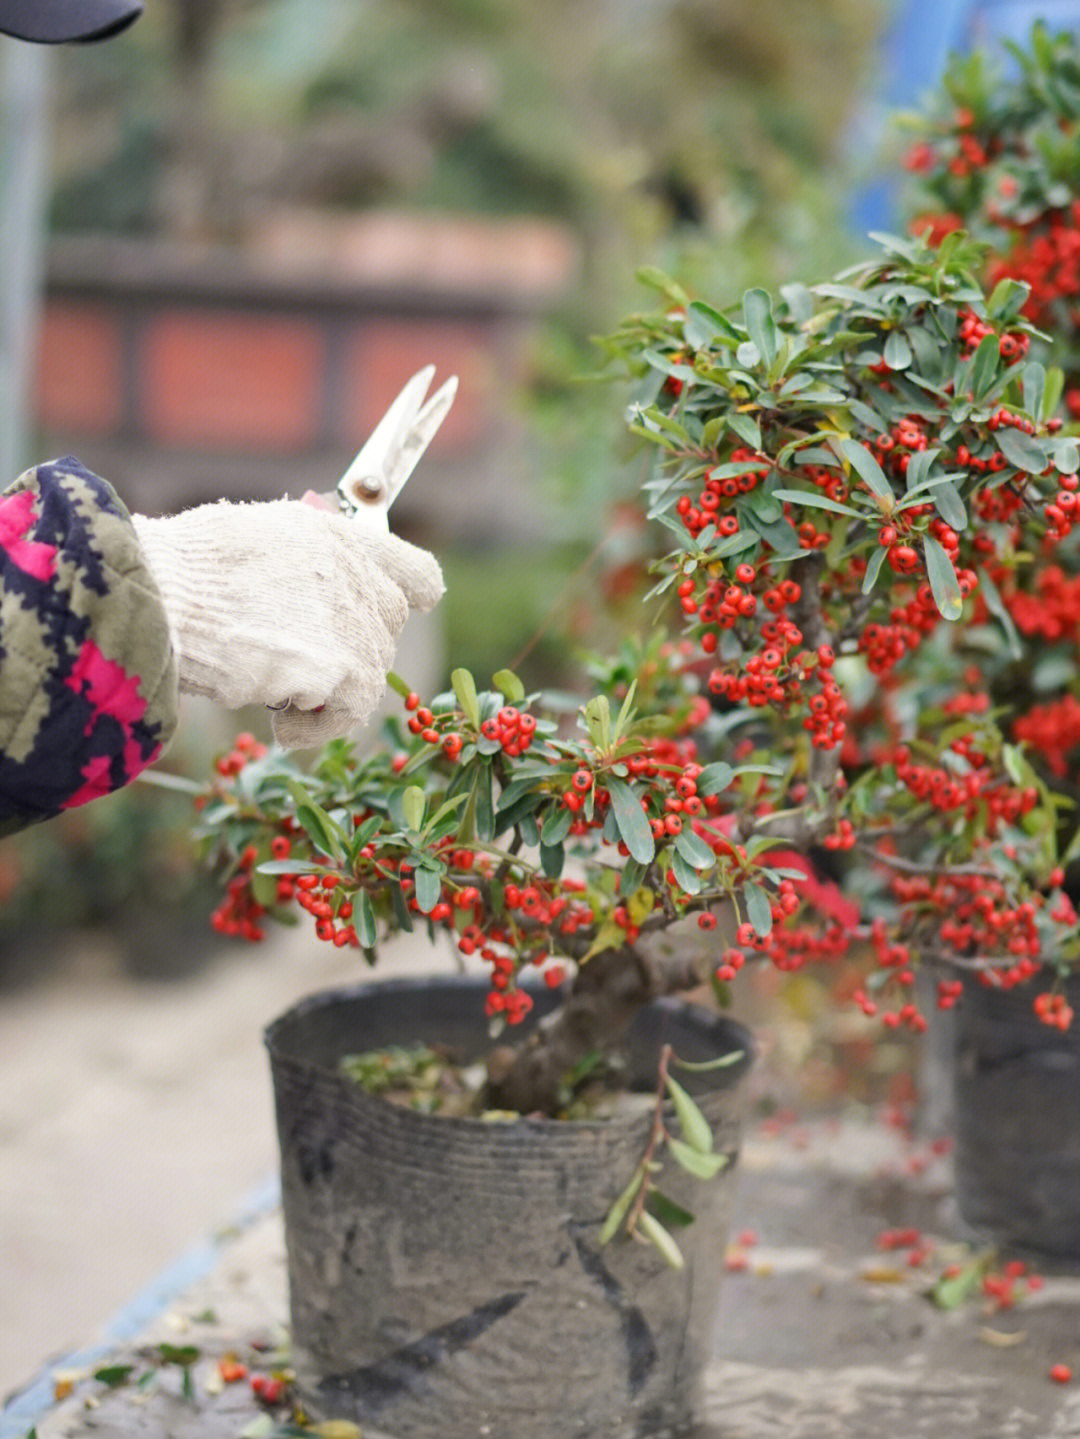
(445,1273)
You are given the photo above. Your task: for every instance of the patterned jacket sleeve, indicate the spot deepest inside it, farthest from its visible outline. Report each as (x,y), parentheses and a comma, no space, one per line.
(88,686)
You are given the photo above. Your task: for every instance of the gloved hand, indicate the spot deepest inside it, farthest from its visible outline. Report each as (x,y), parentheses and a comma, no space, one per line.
(285,604)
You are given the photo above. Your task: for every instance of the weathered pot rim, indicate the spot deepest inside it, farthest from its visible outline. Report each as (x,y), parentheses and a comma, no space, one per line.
(735,1037)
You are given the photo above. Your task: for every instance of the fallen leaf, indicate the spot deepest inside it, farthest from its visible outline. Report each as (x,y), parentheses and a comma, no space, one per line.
(1002,1338)
(882,1274)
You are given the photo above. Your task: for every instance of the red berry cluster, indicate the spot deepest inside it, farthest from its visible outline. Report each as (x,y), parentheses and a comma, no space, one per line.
(723,485)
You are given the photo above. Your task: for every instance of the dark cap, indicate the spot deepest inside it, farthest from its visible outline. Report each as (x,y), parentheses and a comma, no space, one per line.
(51,22)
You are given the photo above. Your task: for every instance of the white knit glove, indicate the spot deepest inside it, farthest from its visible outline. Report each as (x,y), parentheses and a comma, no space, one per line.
(286,604)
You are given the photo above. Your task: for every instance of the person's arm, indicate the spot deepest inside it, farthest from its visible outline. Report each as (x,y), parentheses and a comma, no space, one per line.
(105,617)
(88,675)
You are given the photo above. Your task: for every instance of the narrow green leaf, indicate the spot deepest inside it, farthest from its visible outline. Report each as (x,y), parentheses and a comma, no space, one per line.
(747,429)
(873,569)
(597,713)
(758,909)
(864,464)
(1007,299)
(1055,384)
(760,325)
(414,806)
(556,825)
(702,1166)
(625,715)
(694,850)
(897,350)
(1034,388)
(996,605)
(465,689)
(619,1210)
(508,683)
(631,877)
(943,582)
(816,501)
(114,1375)
(289,866)
(715,778)
(658,1236)
(694,1125)
(686,877)
(1023,452)
(949,505)
(671,1214)
(321,829)
(364,915)
(552,859)
(484,793)
(984,367)
(630,819)
(428,888)
(397,684)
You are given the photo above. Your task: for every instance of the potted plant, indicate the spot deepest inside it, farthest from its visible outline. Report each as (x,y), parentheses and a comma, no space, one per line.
(836,473)
(995,154)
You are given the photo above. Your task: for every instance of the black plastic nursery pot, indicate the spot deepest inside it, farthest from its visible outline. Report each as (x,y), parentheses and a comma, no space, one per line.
(445,1276)
(1018,1120)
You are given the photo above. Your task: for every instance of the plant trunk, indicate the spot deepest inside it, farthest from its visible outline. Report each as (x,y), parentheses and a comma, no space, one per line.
(606,994)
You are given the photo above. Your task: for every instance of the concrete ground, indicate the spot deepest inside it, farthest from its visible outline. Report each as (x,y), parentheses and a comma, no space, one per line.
(135,1119)
(822,1333)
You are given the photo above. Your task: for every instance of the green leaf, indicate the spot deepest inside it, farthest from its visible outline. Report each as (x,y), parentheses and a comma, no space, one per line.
(873,569)
(465,689)
(182,1354)
(597,713)
(996,605)
(686,877)
(1007,299)
(631,877)
(630,820)
(715,778)
(701,1166)
(943,582)
(364,915)
(897,350)
(984,367)
(949,505)
(289,866)
(508,683)
(950,1292)
(398,684)
(747,429)
(428,888)
(760,325)
(1023,452)
(414,807)
(695,1127)
(658,1236)
(552,859)
(669,1213)
(816,501)
(323,832)
(694,850)
(619,1210)
(114,1375)
(758,909)
(1034,388)
(864,464)
(556,825)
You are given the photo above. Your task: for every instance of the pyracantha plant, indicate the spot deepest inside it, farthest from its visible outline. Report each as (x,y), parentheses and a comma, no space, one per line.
(796,758)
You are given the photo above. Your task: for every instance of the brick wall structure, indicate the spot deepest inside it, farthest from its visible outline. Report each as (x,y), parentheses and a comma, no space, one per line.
(187,372)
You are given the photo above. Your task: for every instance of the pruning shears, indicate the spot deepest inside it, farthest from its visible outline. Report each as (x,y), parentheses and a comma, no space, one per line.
(377,476)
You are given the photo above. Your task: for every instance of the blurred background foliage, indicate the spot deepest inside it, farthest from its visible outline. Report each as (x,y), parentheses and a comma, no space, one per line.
(711,138)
